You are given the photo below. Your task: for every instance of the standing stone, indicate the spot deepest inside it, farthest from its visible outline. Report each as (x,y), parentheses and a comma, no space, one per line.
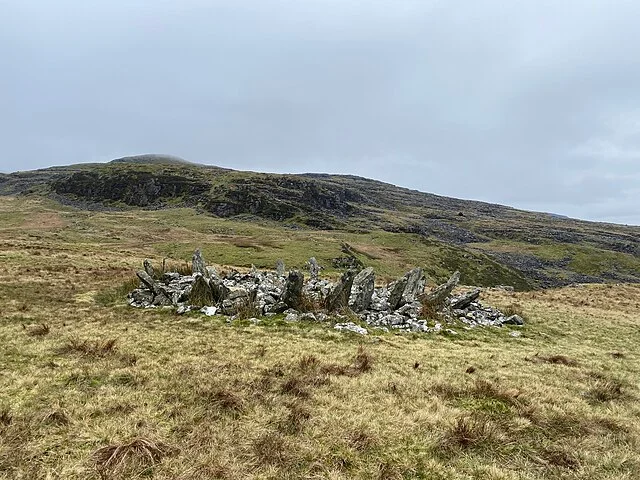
(314,268)
(414,286)
(362,290)
(198,265)
(292,295)
(201,294)
(339,295)
(437,297)
(280,268)
(396,289)
(148,268)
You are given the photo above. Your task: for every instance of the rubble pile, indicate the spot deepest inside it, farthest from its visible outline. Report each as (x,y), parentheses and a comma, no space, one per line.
(403,304)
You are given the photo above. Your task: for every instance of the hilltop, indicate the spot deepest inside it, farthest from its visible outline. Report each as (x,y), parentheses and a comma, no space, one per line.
(489,243)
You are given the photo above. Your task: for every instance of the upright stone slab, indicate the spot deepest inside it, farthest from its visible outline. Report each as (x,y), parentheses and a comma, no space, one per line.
(413,287)
(314,268)
(148,268)
(396,289)
(292,294)
(280,268)
(362,290)
(339,295)
(198,265)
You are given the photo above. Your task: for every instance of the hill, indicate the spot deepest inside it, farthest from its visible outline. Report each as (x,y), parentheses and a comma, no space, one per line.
(491,244)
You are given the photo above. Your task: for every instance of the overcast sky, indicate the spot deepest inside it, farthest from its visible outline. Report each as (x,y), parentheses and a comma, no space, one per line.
(529,103)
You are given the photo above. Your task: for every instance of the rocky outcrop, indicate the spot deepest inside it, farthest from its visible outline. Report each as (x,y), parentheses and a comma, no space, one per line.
(401,305)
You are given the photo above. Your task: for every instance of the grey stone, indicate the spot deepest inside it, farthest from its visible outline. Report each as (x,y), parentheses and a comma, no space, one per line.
(465,300)
(292,295)
(198,265)
(339,295)
(148,282)
(280,269)
(413,286)
(362,290)
(396,289)
(148,268)
(308,317)
(314,268)
(438,297)
(291,317)
(514,320)
(351,327)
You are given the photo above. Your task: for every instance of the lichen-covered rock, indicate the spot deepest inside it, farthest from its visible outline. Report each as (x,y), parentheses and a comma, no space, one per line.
(198,265)
(280,269)
(362,290)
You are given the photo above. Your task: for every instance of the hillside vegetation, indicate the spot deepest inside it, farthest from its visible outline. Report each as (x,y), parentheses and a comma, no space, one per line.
(94,389)
(492,244)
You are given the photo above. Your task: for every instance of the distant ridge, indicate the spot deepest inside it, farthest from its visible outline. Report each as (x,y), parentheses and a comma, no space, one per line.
(489,244)
(153,158)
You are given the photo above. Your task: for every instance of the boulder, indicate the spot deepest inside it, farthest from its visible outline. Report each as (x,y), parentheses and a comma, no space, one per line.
(514,320)
(339,296)
(362,290)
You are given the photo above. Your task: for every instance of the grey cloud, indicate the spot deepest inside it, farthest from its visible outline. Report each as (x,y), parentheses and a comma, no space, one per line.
(531,103)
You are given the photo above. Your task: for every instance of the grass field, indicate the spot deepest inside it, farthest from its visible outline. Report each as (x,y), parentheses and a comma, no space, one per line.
(93,389)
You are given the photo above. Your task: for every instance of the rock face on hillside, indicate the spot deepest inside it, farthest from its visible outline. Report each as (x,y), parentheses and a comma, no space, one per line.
(489,244)
(401,305)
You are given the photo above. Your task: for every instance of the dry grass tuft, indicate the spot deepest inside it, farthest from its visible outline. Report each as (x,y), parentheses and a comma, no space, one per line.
(605,391)
(361,440)
(295,420)
(39,330)
(514,309)
(296,386)
(271,449)
(56,417)
(86,348)
(225,400)
(429,311)
(130,459)
(554,359)
(363,361)
(468,432)
(562,458)
(5,416)
(618,355)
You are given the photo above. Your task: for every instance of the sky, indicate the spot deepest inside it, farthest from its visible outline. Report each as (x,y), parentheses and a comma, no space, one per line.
(528,103)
